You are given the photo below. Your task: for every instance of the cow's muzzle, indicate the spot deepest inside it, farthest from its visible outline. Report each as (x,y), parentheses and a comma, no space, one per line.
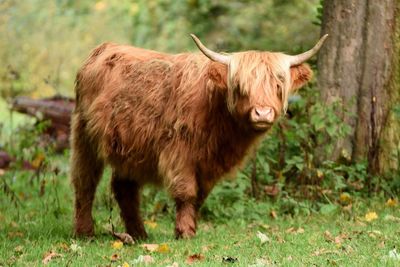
(261,118)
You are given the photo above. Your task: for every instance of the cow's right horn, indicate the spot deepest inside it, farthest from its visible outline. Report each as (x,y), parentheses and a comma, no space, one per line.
(209,53)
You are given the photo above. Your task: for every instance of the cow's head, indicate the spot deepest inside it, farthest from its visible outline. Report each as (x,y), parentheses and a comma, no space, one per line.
(259,83)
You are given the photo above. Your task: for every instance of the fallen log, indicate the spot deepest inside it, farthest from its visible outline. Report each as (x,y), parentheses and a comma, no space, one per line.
(57,110)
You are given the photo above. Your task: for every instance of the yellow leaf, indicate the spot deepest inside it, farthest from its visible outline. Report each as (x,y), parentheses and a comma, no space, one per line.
(117,245)
(370,216)
(125,264)
(345,198)
(37,161)
(99,6)
(163,248)
(150,224)
(150,247)
(391,202)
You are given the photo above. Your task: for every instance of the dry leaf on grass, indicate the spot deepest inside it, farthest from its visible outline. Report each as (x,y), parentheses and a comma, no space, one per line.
(48,256)
(337,240)
(151,247)
(345,199)
(295,231)
(146,259)
(263,237)
(114,257)
(371,216)
(392,202)
(117,245)
(393,254)
(273,214)
(193,258)
(162,248)
(323,251)
(391,218)
(150,224)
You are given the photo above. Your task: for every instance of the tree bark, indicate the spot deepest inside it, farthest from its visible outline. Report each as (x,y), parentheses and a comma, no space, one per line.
(360,66)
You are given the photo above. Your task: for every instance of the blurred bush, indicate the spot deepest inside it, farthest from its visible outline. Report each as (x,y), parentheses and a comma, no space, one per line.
(43,42)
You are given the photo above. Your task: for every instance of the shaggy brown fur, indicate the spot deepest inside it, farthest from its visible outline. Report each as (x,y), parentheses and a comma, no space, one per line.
(177,120)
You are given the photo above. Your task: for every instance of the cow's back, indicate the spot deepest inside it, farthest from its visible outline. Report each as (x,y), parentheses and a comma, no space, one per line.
(121,92)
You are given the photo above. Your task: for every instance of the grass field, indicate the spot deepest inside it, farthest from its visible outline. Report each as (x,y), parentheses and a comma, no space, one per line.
(37,221)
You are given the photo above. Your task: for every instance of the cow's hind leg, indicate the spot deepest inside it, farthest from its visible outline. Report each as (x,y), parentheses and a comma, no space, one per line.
(86,171)
(127,194)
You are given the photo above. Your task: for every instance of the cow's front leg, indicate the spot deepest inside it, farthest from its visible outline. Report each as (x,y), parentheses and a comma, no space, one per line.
(184,192)
(185,224)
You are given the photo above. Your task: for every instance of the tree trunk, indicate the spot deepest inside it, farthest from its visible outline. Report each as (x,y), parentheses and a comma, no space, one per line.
(360,65)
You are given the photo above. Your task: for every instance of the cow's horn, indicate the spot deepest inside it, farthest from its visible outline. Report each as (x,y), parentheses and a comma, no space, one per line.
(209,53)
(303,57)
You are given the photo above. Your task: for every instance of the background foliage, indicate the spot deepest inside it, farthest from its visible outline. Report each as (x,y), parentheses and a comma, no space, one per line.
(43,42)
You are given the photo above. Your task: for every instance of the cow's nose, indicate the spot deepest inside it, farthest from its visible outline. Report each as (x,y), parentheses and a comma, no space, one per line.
(263,115)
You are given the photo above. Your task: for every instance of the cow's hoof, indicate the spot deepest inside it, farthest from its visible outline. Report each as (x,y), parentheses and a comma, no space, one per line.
(185,233)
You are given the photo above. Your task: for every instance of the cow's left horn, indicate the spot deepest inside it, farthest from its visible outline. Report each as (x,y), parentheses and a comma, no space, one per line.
(209,53)
(303,57)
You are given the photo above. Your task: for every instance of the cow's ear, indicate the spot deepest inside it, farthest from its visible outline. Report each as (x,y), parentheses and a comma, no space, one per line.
(218,74)
(300,75)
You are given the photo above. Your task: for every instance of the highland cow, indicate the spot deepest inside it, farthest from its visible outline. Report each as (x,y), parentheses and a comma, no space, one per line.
(183,121)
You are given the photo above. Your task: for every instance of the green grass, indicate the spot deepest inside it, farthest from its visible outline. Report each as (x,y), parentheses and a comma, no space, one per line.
(42,222)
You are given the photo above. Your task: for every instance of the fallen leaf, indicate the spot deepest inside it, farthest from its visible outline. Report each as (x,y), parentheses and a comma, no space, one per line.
(273,214)
(229,259)
(280,239)
(328,236)
(19,249)
(292,230)
(345,198)
(205,248)
(392,218)
(38,160)
(75,248)
(193,258)
(381,244)
(125,238)
(117,245)
(150,224)
(48,256)
(163,248)
(261,263)
(146,259)
(391,202)
(371,216)
(125,264)
(114,257)
(151,247)
(263,237)
(393,254)
(323,251)
(15,234)
(63,246)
